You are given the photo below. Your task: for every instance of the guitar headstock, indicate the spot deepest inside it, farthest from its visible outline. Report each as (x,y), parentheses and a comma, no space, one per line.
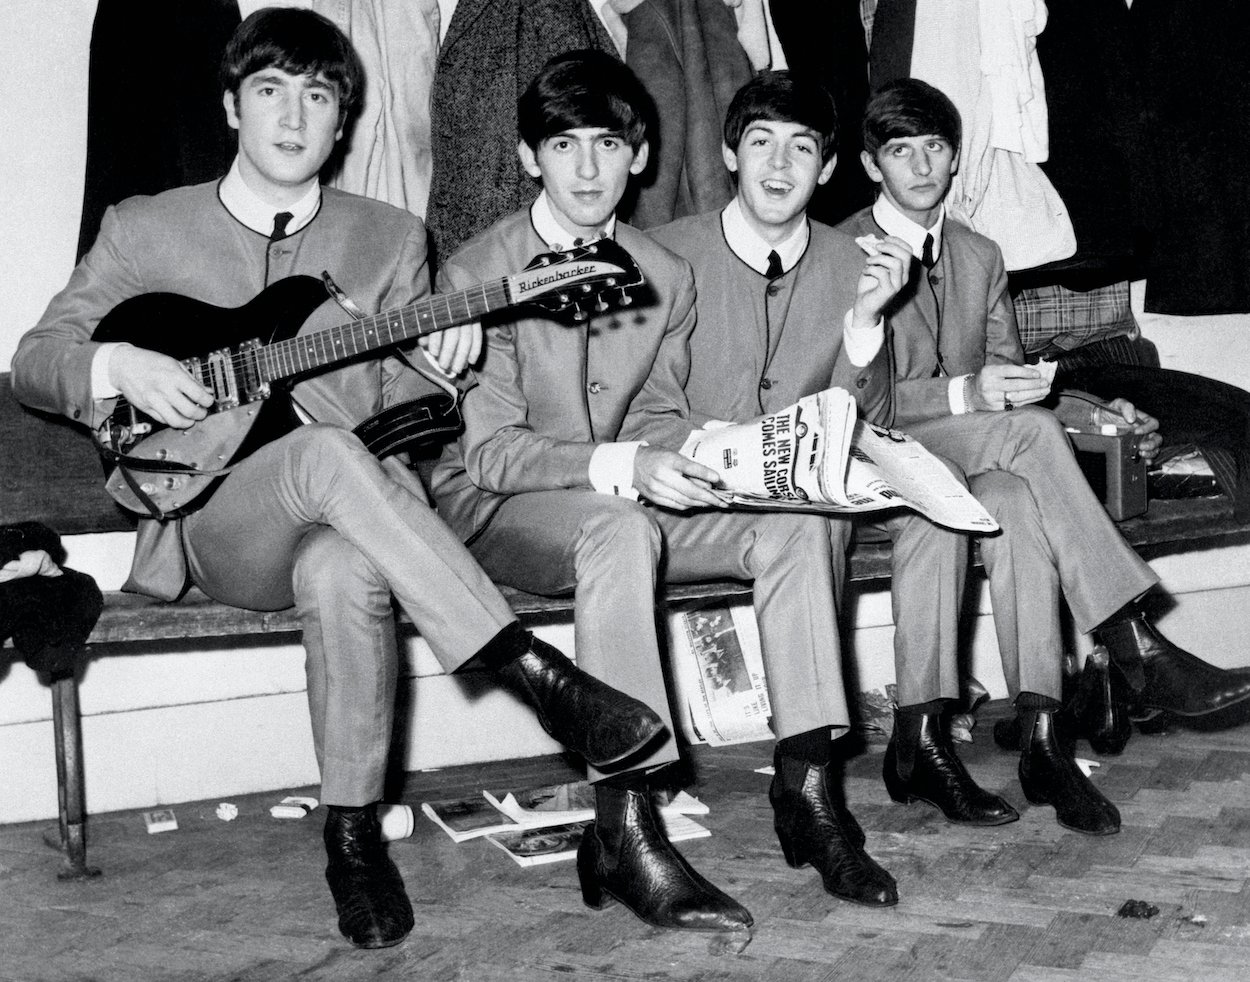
(581,281)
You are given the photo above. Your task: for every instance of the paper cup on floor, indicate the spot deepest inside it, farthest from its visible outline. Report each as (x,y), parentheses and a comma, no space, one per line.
(396,821)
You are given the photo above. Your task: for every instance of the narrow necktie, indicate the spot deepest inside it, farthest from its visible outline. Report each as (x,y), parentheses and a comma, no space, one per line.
(774,265)
(280,221)
(926,254)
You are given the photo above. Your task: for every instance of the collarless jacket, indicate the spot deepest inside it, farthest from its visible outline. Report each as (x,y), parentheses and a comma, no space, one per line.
(184,241)
(965,322)
(548,392)
(760,346)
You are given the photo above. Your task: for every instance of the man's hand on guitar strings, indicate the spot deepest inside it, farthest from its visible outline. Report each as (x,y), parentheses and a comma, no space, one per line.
(455,349)
(159,386)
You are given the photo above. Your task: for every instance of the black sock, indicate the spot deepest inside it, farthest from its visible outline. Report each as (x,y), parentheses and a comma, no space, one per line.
(504,648)
(1126,613)
(934,707)
(814,746)
(629,781)
(1035,701)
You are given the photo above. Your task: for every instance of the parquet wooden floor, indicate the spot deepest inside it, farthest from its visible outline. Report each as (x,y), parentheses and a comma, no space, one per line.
(1026,902)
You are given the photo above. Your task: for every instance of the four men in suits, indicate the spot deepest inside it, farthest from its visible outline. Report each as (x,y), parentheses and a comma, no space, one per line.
(569,475)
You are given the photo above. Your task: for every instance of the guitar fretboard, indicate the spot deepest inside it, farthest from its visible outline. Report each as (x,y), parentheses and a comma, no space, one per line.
(309,352)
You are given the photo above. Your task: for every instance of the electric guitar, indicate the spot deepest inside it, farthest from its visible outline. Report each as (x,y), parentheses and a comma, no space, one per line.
(258,354)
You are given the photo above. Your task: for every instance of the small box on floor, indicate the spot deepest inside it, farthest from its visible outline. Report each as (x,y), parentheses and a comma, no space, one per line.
(1113,465)
(161,820)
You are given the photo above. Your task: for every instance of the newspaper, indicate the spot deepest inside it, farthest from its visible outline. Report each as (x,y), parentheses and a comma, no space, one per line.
(558,843)
(566,804)
(719,673)
(817,456)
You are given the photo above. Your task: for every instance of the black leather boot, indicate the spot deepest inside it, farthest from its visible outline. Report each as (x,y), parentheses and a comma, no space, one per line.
(373,907)
(626,856)
(814,827)
(1097,706)
(921,765)
(590,718)
(1049,775)
(1167,678)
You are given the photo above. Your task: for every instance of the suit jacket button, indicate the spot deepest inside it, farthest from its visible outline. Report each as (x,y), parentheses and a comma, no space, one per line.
(860,383)
(773,289)
(594,388)
(766,383)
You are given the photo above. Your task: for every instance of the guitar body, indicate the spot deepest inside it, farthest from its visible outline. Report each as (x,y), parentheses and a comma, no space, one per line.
(184,328)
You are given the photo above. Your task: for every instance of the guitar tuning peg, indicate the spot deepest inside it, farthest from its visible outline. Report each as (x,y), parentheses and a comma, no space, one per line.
(586,288)
(601,305)
(579,314)
(626,298)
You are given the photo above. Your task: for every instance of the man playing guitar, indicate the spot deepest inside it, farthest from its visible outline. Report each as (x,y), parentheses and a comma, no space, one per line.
(312,518)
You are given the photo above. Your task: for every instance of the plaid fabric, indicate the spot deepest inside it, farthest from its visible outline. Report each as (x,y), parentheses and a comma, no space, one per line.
(1054,319)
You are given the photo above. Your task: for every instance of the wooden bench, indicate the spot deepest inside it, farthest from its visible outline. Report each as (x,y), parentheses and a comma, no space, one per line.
(50,473)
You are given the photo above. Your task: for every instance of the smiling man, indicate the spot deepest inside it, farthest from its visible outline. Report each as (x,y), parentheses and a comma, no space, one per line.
(311,519)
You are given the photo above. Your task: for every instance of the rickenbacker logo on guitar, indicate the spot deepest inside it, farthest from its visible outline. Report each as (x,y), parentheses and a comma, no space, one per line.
(566,272)
(249,357)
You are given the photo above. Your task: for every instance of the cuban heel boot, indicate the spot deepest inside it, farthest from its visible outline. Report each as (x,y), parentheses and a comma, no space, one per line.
(1049,775)
(1165,678)
(625,856)
(921,765)
(815,827)
(589,717)
(373,907)
(1097,708)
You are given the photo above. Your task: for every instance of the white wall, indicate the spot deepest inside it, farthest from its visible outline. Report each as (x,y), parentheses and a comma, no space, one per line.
(163,728)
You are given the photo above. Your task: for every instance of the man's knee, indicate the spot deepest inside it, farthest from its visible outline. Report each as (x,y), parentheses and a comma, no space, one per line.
(1038,425)
(620,525)
(1009,500)
(1001,491)
(321,448)
(330,571)
(786,537)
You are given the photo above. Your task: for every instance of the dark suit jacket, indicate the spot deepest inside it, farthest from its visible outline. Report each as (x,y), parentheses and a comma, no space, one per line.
(548,393)
(493,48)
(978,324)
(687,54)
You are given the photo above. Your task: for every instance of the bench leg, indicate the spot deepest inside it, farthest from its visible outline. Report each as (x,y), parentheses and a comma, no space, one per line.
(71,797)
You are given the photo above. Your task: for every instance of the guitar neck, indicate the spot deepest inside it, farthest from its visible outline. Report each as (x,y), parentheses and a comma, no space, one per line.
(309,352)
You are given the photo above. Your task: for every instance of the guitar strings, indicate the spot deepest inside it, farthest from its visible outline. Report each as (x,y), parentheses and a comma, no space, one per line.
(280,359)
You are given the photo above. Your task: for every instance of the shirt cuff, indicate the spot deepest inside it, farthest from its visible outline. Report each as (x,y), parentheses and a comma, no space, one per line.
(612,469)
(101,387)
(862,343)
(957,393)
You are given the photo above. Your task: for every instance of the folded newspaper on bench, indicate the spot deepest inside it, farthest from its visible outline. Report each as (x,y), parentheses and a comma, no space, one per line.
(817,456)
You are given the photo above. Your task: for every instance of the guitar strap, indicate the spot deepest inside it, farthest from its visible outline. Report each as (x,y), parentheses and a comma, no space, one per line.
(406,423)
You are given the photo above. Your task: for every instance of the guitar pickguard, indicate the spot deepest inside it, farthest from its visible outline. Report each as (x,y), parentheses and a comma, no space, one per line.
(206,448)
